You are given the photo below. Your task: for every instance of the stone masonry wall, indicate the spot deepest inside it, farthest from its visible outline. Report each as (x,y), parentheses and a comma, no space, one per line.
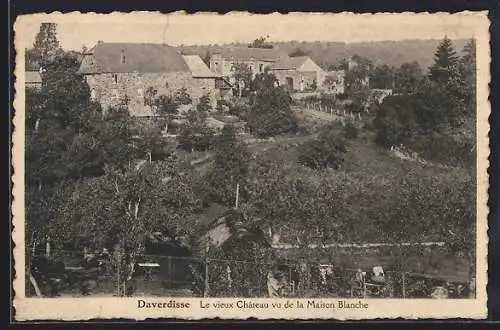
(301,80)
(109,88)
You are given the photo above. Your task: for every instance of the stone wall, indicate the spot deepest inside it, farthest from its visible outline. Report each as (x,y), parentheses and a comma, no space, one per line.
(110,88)
(224,66)
(302,81)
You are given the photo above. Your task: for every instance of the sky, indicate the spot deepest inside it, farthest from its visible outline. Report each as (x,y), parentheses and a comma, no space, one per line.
(76,30)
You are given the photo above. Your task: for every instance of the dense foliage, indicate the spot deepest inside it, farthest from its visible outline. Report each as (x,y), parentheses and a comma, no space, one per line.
(430,120)
(270,112)
(94,178)
(325,150)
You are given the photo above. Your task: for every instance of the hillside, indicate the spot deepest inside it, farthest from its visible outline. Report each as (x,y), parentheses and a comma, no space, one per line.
(393,53)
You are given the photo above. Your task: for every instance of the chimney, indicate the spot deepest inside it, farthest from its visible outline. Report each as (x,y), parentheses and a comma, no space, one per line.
(100,41)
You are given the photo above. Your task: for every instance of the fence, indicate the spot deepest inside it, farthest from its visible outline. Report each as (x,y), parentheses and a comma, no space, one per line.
(70,273)
(331,110)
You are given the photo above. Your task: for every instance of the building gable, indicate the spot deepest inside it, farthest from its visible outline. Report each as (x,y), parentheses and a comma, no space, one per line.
(310,65)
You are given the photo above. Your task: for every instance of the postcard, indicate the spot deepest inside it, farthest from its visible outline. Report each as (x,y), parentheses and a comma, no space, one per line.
(236,166)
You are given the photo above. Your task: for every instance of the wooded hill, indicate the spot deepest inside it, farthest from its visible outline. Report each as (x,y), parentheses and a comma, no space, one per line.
(326,54)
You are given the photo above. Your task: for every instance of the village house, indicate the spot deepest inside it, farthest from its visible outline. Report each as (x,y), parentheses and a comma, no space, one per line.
(140,72)
(33,80)
(257,60)
(298,73)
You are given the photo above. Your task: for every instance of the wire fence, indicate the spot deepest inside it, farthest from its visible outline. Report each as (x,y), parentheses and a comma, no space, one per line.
(70,273)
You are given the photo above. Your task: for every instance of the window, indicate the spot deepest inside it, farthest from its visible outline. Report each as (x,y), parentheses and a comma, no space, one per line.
(115,77)
(140,93)
(261,67)
(166,84)
(114,94)
(93,94)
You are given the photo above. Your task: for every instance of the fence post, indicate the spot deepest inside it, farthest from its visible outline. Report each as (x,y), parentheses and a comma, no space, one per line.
(404,285)
(205,289)
(364,287)
(169,273)
(118,265)
(47,247)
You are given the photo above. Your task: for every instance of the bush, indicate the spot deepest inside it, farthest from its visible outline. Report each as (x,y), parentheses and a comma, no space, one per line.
(183,97)
(327,150)
(328,100)
(204,104)
(350,130)
(196,138)
(239,107)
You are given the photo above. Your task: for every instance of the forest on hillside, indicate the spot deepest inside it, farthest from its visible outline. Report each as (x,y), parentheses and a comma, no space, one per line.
(329,54)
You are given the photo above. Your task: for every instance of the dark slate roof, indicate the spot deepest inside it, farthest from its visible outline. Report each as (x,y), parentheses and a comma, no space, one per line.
(289,63)
(246,54)
(138,57)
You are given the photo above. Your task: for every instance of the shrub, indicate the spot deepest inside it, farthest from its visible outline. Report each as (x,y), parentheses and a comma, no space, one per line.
(350,130)
(328,100)
(204,104)
(182,97)
(239,107)
(327,150)
(166,106)
(196,138)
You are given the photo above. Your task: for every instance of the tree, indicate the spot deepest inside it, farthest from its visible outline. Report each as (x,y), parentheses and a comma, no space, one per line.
(66,95)
(445,61)
(260,43)
(204,105)
(382,77)
(46,47)
(206,58)
(270,112)
(467,71)
(167,107)
(408,78)
(230,168)
(243,76)
(150,142)
(298,52)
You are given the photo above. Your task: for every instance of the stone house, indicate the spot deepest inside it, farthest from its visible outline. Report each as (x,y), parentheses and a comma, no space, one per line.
(33,80)
(257,60)
(139,72)
(298,73)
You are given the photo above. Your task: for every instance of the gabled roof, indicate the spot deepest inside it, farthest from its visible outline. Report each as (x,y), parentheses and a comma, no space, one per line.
(32,77)
(247,54)
(198,68)
(289,63)
(107,57)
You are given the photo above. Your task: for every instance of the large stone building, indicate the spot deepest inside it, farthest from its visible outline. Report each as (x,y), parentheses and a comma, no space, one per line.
(298,73)
(138,72)
(257,60)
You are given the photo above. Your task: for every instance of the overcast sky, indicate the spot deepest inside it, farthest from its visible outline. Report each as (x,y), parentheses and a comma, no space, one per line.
(76,30)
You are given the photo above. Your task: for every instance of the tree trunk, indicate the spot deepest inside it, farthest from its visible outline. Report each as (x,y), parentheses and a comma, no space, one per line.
(35,285)
(37,124)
